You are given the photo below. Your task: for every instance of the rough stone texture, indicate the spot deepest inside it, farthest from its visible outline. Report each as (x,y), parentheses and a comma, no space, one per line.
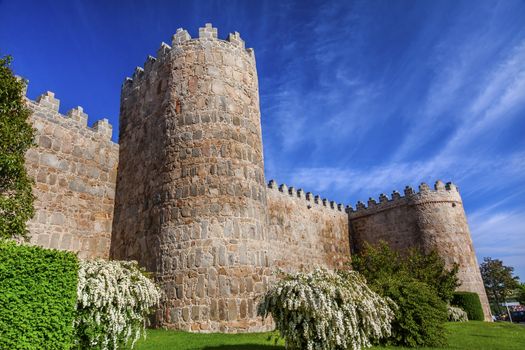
(191,195)
(305,232)
(74,168)
(191,204)
(430,219)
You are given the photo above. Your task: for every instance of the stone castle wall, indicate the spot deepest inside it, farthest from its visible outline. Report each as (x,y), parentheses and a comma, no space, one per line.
(429,219)
(306,231)
(191,194)
(190,201)
(74,168)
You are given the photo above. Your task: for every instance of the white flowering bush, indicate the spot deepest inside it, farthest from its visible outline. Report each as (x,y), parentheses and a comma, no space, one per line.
(456,314)
(326,310)
(114,299)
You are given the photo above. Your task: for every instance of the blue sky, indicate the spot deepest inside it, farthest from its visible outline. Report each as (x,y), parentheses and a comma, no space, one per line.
(357,97)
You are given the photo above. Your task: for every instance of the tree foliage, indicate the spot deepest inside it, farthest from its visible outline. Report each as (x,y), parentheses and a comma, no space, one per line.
(419,284)
(521,293)
(16,137)
(380,261)
(498,280)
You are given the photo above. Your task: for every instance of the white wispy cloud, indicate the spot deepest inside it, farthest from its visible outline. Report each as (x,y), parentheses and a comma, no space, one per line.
(329,98)
(474,94)
(500,234)
(358,183)
(497,103)
(448,94)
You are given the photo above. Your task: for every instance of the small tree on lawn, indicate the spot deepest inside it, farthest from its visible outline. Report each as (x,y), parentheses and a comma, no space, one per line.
(498,280)
(418,283)
(380,261)
(16,137)
(521,293)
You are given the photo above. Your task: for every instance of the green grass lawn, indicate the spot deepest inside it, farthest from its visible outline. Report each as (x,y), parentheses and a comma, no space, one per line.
(470,335)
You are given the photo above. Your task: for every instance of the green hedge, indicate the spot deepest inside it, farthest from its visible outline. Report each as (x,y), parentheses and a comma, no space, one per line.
(469,302)
(421,314)
(37,297)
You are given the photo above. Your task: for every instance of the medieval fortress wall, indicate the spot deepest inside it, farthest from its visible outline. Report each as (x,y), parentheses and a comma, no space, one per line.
(306,231)
(192,170)
(74,168)
(190,201)
(431,219)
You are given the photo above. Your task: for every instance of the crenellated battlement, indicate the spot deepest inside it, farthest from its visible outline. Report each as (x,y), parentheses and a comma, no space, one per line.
(308,197)
(73,168)
(180,40)
(47,106)
(440,193)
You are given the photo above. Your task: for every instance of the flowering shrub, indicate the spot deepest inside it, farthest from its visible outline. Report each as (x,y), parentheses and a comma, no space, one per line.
(113,301)
(456,314)
(327,310)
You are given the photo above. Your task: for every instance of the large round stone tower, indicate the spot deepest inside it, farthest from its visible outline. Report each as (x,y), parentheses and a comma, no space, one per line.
(442,223)
(190,202)
(431,219)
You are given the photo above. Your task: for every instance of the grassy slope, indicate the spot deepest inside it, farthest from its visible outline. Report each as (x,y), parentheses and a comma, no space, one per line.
(471,335)
(161,339)
(484,336)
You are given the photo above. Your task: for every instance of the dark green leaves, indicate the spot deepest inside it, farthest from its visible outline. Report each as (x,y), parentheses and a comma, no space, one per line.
(418,283)
(16,137)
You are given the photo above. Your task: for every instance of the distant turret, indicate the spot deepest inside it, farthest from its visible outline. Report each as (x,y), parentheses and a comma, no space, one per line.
(429,219)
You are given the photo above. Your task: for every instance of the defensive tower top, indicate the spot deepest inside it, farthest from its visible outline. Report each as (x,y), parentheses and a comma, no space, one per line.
(180,39)
(441,193)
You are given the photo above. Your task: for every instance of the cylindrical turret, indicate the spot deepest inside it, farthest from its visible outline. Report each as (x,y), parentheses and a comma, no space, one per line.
(443,227)
(428,219)
(191,201)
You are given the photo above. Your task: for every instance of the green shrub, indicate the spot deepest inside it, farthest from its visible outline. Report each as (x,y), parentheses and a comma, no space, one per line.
(421,314)
(38,289)
(379,261)
(430,269)
(419,284)
(469,302)
(324,310)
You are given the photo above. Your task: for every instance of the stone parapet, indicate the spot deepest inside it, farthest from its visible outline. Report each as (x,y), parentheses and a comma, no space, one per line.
(308,198)
(182,41)
(305,231)
(46,106)
(440,193)
(74,168)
